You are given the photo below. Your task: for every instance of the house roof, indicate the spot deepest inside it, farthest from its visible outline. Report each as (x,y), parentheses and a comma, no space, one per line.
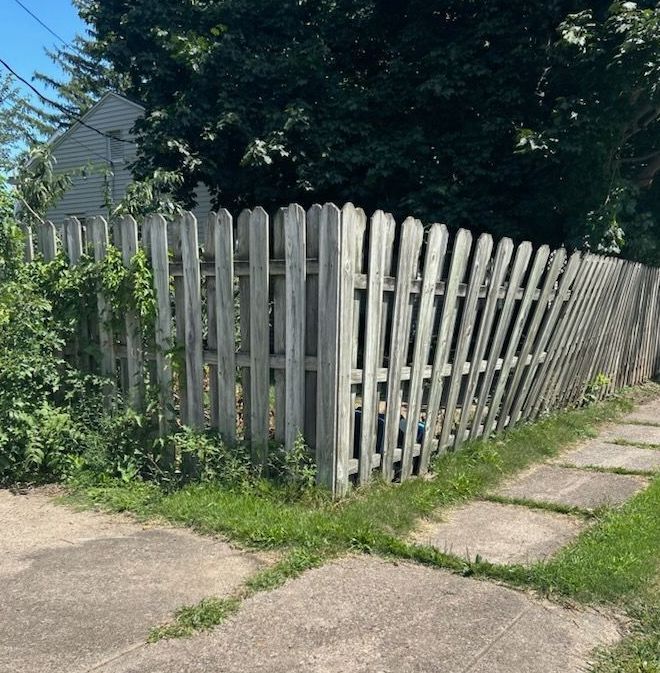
(59,136)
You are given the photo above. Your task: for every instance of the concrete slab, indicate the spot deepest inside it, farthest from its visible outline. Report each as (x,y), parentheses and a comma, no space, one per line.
(78,588)
(602,454)
(646,413)
(369,616)
(500,533)
(638,434)
(571,487)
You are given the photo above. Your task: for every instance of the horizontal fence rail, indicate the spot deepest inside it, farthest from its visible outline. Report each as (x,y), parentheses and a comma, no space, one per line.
(378,344)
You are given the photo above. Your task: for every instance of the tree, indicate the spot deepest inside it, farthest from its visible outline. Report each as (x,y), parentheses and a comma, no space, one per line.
(537,120)
(18,128)
(86,76)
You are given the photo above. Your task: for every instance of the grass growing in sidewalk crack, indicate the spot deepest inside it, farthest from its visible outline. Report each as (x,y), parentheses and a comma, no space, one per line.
(547,506)
(211,612)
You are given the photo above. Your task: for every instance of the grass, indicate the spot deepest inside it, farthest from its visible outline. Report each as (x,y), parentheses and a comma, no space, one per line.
(614,561)
(211,612)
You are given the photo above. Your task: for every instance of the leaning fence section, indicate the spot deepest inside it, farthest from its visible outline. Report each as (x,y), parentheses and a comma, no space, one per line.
(377,344)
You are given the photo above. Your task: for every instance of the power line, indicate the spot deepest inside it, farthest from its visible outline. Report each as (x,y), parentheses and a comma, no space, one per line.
(61,108)
(41,23)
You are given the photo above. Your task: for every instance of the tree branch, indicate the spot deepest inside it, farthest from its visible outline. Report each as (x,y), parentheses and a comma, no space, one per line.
(647,174)
(642,159)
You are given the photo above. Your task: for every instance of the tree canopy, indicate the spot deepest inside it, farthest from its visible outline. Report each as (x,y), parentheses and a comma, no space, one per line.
(537,120)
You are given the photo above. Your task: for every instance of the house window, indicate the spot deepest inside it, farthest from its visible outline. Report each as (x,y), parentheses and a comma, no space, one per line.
(116,147)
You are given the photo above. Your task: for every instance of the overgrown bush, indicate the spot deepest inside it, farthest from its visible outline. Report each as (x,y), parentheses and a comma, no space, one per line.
(55,420)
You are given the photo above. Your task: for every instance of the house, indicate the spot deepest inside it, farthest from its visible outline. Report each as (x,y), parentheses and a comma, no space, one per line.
(103,159)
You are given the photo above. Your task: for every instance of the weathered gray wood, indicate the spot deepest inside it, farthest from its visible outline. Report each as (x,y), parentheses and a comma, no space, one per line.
(512,386)
(98,229)
(243,254)
(174,246)
(509,359)
(74,250)
(457,270)
(259,337)
(589,363)
(295,256)
(562,336)
(436,250)
(610,354)
(377,251)
(501,262)
(73,239)
(411,242)
(545,333)
(352,220)
(223,243)
(359,302)
(163,326)
(520,263)
(311,320)
(28,244)
(208,255)
(465,332)
(606,325)
(47,240)
(279,327)
(193,320)
(135,358)
(329,352)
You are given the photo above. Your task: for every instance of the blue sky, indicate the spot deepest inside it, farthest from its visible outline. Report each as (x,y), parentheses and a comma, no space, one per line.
(22,39)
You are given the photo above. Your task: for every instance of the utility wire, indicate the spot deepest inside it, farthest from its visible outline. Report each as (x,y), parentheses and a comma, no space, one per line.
(41,23)
(61,108)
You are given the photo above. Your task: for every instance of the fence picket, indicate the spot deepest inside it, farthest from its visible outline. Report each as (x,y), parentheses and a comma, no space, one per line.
(295,257)
(436,250)
(353,222)
(192,300)
(160,265)
(279,328)
(98,229)
(411,241)
(243,255)
(380,224)
(223,244)
(208,256)
(47,240)
(134,354)
(312,320)
(259,336)
(328,398)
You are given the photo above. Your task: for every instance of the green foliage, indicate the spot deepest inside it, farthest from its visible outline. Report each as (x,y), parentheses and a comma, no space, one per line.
(537,121)
(596,387)
(200,617)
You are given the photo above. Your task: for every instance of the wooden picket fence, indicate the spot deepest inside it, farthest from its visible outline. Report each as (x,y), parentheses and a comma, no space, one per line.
(379,344)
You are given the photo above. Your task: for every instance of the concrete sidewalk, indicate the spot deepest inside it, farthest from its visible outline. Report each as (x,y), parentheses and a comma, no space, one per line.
(80,591)
(80,588)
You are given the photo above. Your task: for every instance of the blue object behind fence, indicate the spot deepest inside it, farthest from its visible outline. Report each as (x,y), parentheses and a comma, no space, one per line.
(380,436)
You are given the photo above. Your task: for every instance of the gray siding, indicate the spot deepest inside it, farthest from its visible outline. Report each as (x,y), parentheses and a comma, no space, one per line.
(81,147)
